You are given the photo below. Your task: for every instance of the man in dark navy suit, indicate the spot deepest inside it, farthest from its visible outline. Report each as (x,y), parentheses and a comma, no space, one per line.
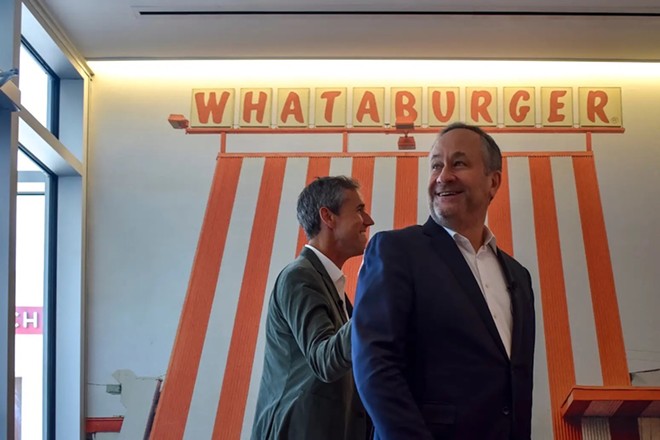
(443,326)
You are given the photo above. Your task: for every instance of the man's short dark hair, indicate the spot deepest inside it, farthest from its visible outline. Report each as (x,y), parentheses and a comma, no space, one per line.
(492,153)
(324,191)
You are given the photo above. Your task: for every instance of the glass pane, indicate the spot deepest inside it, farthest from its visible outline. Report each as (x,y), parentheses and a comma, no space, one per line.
(24,163)
(33,82)
(30,293)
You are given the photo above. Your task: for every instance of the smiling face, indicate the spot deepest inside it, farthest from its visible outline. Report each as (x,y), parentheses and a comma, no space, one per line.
(460,187)
(351,224)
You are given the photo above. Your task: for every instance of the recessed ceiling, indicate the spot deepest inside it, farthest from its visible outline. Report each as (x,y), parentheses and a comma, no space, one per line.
(482,29)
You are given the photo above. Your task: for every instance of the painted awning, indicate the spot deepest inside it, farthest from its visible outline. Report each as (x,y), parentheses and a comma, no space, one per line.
(547,214)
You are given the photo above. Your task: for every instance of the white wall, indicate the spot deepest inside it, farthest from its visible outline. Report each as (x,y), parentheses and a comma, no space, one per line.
(148,186)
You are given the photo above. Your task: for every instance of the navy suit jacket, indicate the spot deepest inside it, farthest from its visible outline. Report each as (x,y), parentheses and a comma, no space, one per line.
(428,360)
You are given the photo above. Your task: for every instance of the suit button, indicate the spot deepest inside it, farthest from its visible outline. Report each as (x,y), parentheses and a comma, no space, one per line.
(506,410)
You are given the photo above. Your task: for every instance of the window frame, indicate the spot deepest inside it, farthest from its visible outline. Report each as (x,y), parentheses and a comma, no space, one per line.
(53,106)
(50,283)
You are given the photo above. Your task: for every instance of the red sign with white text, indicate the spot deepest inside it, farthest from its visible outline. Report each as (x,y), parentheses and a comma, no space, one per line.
(29,320)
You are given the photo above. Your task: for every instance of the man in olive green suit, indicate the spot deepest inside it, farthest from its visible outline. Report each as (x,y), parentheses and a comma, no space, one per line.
(307,390)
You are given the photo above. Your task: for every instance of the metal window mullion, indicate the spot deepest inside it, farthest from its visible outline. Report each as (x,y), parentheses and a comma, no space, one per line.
(54,105)
(8,174)
(10,19)
(50,308)
(32,176)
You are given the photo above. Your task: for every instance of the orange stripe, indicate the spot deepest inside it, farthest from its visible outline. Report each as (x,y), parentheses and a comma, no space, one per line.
(499,214)
(611,347)
(561,370)
(318,167)
(405,196)
(363,172)
(174,404)
(588,140)
(236,381)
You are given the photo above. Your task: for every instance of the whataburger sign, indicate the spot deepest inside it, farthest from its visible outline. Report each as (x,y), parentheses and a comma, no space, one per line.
(432,106)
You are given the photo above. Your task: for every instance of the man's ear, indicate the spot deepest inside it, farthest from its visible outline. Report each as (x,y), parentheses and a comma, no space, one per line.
(496,181)
(327,217)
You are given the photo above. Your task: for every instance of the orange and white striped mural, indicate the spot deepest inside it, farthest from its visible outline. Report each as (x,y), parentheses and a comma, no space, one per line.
(547,214)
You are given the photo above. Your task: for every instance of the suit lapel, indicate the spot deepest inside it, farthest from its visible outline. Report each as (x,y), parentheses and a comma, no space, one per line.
(445,247)
(516,303)
(329,285)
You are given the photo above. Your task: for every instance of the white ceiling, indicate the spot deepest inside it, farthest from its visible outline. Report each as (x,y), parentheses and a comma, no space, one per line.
(451,29)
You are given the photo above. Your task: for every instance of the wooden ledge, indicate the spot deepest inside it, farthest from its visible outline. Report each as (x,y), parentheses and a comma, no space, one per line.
(585,401)
(179,122)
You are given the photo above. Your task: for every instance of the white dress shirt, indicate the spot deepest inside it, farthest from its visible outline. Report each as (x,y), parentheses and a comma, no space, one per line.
(335,273)
(488,273)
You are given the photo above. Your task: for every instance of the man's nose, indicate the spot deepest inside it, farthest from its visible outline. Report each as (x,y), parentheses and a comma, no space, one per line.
(367,220)
(445,175)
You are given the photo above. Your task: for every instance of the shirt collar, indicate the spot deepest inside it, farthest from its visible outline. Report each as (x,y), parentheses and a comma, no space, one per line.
(489,238)
(334,272)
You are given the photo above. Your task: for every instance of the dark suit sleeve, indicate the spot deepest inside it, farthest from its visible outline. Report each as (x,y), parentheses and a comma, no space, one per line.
(304,303)
(381,317)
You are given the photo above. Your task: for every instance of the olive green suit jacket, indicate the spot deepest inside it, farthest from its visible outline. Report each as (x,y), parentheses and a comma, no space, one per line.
(307,390)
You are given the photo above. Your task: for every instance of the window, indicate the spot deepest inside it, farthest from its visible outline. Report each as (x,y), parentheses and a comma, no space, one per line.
(39,88)
(43,353)
(33,212)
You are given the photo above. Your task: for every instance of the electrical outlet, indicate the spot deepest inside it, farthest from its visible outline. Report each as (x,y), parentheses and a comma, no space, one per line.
(113,388)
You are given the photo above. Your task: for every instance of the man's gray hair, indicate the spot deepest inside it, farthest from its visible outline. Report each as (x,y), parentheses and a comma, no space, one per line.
(492,153)
(324,191)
